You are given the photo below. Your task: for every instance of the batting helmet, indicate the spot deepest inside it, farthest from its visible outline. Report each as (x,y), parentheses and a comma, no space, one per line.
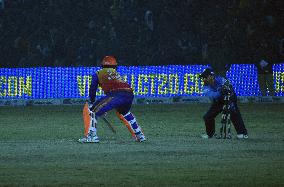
(109,61)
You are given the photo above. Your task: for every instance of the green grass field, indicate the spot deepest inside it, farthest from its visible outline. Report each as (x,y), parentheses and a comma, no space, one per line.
(38,147)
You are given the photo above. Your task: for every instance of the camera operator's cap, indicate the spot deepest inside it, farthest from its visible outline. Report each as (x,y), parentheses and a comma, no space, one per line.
(206,73)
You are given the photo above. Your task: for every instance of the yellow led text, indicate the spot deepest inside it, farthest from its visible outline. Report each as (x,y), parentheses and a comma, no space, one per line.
(15,86)
(84,83)
(279,81)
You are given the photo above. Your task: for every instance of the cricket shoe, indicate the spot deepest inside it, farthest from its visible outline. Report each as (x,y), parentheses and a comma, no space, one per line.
(205,136)
(89,139)
(242,136)
(140,137)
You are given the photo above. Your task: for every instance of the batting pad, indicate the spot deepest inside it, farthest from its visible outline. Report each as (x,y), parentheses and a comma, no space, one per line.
(86,119)
(126,123)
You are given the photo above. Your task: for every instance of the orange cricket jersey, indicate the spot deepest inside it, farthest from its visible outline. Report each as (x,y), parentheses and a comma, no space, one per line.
(111,81)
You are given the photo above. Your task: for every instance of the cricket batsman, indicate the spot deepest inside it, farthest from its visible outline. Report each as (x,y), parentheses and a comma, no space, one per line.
(118,96)
(216,87)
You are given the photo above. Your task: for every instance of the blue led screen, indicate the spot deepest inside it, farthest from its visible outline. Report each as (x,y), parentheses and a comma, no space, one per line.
(147,81)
